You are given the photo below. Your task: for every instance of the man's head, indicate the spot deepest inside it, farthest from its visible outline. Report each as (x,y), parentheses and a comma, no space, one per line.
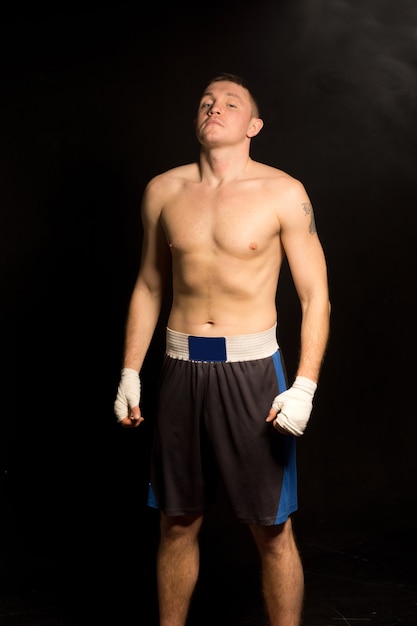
(228,112)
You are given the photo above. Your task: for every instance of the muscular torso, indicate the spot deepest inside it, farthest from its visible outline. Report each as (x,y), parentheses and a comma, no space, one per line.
(226,254)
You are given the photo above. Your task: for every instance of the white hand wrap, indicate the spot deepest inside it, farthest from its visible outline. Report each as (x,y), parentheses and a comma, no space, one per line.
(128,393)
(294,406)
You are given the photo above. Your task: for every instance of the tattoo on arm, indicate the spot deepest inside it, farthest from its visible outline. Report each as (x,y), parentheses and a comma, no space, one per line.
(309,211)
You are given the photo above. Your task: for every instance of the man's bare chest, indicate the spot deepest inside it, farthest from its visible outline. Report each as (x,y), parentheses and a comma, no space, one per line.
(227,222)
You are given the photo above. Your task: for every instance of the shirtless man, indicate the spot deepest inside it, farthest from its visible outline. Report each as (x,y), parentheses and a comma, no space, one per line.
(222,227)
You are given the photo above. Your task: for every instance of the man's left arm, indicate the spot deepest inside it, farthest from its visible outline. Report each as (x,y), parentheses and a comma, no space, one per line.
(291,409)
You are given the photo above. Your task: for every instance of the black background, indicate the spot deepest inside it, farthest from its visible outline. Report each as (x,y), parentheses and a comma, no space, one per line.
(94,102)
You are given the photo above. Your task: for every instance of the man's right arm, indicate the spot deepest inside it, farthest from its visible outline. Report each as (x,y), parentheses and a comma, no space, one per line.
(145,306)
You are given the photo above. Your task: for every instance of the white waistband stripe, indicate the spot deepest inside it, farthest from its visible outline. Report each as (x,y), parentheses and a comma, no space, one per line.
(237,347)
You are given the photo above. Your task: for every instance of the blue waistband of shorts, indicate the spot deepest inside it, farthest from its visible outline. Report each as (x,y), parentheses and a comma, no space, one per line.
(231,348)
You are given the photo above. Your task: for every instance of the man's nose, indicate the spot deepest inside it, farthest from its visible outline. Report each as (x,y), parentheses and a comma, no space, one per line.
(214,110)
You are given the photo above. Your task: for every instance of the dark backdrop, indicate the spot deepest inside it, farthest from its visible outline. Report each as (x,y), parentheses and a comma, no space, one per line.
(96,101)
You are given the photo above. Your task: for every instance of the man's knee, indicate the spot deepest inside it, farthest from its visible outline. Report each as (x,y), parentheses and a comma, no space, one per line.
(277,537)
(181,526)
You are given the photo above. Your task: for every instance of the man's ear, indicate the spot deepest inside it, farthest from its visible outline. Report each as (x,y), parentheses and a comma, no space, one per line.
(255,127)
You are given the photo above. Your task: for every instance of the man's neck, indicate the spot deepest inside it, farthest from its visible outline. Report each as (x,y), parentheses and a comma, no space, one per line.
(222,165)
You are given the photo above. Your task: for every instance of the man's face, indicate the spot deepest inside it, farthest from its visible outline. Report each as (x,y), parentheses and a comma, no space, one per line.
(224,114)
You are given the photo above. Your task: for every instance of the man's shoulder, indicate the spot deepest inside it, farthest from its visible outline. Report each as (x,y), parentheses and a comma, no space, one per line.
(173,177)
(165,187)
(277,177)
